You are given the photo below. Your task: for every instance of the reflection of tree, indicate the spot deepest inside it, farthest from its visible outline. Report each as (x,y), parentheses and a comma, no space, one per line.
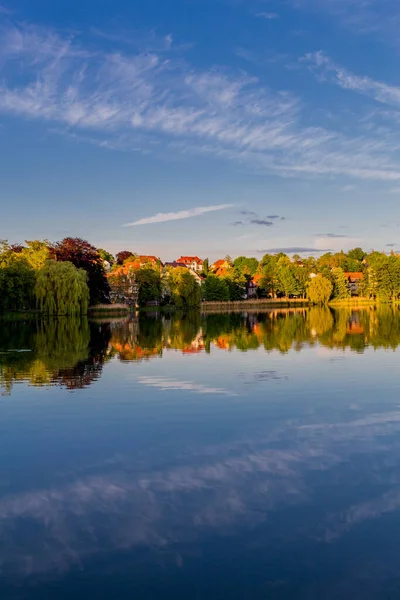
(66,351)
(71,352)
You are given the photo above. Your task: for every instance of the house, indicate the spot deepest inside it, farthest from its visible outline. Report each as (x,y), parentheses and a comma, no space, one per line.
(107,266)
(191,262)
(149,260)
(177,265)
(251,289)
(354,280)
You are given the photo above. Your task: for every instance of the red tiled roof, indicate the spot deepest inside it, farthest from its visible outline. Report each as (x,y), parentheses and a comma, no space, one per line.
(355,276)
(148,258)
(218,264)
(189,259)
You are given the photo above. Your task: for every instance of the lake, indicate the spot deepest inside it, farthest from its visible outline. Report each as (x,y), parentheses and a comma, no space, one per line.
(221,456)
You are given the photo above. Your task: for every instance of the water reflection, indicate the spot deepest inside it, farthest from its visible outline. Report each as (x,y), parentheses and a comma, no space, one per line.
(68,352)
(71,352)
(174,471)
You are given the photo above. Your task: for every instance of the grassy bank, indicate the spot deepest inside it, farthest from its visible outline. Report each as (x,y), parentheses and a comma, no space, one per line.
(109,309)
(360,302)
(255,304)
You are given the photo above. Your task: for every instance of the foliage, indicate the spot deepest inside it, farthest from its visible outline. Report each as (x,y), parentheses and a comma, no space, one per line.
(65,351)
(123,256)
(340,285)
(149,281)
(215,289)
(236,283)
(384,276)
(105,255)
(17,282)
(85,256)
(61,289)
(319,290)
(35,253)
(357,254)
(206,267)
(183,288)
(246,266)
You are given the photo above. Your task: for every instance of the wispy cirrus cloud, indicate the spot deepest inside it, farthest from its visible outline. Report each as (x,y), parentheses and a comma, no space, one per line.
(328,70)
(154,101)
(176,216)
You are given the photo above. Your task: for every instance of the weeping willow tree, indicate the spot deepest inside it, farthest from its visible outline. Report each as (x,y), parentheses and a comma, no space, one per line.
(61,289)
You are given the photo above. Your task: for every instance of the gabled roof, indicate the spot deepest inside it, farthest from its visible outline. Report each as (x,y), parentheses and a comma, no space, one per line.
(175,264)
(218,264)
(190,259)
(148,258)
(355,276)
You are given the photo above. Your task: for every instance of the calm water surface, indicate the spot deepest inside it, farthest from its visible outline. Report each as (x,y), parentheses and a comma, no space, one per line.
(245,456)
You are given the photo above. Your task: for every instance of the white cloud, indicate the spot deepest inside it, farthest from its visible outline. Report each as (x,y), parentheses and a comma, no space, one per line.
(152,101)
(327,70)
(181,214)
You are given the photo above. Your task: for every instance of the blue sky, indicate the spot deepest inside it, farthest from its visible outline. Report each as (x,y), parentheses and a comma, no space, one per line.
(206,127)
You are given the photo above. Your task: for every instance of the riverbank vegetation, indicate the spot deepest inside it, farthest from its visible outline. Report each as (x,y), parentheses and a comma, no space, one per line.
(35,276)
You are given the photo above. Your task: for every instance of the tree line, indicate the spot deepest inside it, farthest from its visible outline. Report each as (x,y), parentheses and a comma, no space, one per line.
(66,277)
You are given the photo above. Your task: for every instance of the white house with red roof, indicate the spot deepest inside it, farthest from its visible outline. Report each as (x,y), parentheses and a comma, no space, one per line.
(192,262)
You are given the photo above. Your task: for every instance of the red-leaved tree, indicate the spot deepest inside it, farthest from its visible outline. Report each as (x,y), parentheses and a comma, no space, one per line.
(123,256)
(85,256)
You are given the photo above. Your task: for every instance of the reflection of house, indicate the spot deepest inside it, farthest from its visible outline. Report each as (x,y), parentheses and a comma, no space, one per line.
(354,328)
(354,280)
(191,262)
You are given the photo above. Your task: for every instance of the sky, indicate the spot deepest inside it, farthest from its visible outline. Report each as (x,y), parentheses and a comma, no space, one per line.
(201,127)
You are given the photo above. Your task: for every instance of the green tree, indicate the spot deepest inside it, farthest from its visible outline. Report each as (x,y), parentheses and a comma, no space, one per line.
(357,254)
(286,276)
(340,285)
(236,283)
(246,265)
(319,290)
(267,269)
(61,289)
(183,287)
(149,281)
(105,255)
(206,267)
(215,289)
(17,283)
(36,252)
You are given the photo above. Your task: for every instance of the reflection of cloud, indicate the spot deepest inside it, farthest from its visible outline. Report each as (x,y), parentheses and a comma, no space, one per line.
(372,509)
(164,384)
(215,488)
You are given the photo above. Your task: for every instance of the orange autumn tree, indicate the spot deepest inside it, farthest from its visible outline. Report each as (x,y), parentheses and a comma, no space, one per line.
(136,281)
(122,280)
